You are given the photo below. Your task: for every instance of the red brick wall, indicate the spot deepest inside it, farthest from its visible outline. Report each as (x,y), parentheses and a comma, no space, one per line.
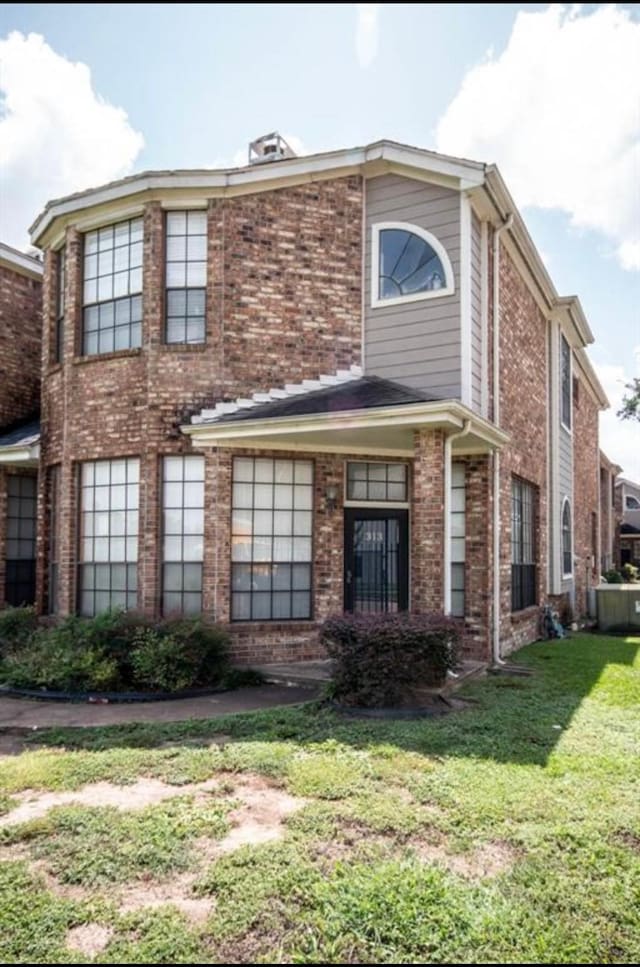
(523,414)
(586,495)
(427,522)
(20,334)
(478,579)
(283,304)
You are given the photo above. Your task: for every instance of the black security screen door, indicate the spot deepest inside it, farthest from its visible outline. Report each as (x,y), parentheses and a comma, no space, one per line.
(376,560)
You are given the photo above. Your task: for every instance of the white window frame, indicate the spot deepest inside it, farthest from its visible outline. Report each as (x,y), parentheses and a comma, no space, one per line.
(628,506)
(375,504)
(568,427)
(438,248)
(566,502)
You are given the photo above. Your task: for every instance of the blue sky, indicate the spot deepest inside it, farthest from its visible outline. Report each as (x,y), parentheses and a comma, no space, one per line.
(551,94)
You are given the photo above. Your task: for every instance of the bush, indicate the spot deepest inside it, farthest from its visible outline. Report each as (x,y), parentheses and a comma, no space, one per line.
(629,573)
(116,651)
(16,625)
(380,659)
(612,576)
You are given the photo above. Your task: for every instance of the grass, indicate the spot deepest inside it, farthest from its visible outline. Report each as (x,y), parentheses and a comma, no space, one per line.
(509,832)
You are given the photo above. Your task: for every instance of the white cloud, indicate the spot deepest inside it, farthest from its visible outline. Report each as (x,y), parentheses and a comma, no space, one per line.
(367,33)
(620,439)
(559,111)
(57,135)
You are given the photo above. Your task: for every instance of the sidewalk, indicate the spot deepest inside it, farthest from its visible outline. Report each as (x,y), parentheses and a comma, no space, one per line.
(24,713)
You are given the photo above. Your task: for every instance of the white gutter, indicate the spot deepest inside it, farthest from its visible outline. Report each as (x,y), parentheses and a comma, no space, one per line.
(447,512)
(497,660)
(20,453)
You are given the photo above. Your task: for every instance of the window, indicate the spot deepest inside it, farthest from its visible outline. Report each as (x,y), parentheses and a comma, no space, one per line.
(567,550)
(523,550)
(409,264)
(385,482)
(60,283)
(458,531)
(54,522)
(565,382)
(271,543)
(108,568)
(183,533)
(112,316)
(21,539)
(632,503)
(186,276)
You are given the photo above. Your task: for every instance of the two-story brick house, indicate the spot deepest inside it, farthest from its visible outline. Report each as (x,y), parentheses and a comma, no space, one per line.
(20,357)
(336,381)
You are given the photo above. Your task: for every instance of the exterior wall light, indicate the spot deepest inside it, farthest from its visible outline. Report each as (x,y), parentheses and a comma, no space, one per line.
(331,497)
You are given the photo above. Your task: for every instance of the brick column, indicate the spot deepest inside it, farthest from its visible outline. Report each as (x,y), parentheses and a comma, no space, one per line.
(328,539)
(427,522)
(152,339)
(478,578)
(216,571)
(3,533)
(49,298)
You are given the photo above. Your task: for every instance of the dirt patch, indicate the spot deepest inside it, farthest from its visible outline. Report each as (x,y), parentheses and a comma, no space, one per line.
(176,893)
(261,816)
(485,861)
(629,839)
(138,795)
(89,939)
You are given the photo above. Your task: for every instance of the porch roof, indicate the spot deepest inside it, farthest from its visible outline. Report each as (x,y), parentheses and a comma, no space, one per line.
(20,444)
(367,415)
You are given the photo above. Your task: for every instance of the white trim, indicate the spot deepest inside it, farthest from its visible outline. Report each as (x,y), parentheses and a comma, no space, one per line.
(465,301)
(259,177)
(563,339)
(20,262)
(379,504)
(554,456)
(248,443)
(484,319)
(566,575)
(430,239)
(29,454)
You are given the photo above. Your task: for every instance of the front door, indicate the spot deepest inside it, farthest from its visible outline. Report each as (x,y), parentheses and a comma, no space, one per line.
(376,560)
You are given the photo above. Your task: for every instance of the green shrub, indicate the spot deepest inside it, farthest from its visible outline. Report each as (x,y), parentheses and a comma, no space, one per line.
(52,661)
(16,626)
(380,659)
(179,653)
(629,573)
(116,651)
(612,576)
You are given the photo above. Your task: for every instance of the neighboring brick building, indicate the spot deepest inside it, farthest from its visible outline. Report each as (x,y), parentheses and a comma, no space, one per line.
(627,510)
(341,381)
(20,363)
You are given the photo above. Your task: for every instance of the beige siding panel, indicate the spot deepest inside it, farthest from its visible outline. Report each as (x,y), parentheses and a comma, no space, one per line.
(419,343)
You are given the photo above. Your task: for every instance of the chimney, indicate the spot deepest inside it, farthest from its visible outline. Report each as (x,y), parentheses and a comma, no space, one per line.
(269,147)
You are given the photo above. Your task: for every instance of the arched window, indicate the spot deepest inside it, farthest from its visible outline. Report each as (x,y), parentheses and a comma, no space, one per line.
(408,264)
(567,549)
(632,503)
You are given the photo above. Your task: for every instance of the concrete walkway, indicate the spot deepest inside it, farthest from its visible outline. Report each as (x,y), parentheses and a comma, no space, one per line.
(24,713)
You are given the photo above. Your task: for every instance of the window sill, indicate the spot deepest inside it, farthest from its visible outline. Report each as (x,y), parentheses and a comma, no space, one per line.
(288,624)
(526,613)
(183,347)
(101,357)
(54,368)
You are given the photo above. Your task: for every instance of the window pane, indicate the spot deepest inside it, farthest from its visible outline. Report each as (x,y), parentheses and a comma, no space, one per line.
(263,537)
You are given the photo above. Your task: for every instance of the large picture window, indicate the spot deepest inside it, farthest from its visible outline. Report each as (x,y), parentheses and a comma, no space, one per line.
(183,534)
(186,276)
(108,570)
(112,287)
(408,264)
(565,382)
(60,285)
(21,539)
(567,542)
(271,545)
(54,542)
(523,549)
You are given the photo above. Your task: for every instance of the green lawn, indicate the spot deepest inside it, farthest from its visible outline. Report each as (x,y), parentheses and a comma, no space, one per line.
(508,832)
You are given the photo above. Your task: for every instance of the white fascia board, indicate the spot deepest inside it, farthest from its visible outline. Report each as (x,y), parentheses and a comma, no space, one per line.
(465,300)
(237,179)
(20,262)
(447,414)
(20,454)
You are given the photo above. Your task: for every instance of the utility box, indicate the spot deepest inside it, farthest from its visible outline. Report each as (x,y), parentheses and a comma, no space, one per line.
(618,607)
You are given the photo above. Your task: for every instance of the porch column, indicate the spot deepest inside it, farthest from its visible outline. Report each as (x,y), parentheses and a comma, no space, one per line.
(216,567)
(478,598)
(427,522)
